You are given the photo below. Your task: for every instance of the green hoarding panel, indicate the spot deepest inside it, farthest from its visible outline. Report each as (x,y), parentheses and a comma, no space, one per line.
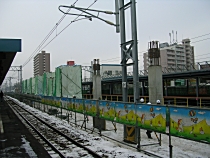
(57,91)
(40,85)
(71,77)
(33,85)
(44,84)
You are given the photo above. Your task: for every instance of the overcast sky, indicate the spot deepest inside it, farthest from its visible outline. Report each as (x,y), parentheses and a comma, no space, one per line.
(84,40)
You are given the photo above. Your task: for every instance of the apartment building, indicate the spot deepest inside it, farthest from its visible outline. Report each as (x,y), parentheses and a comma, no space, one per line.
(174,57)
(189,50)
(41,63)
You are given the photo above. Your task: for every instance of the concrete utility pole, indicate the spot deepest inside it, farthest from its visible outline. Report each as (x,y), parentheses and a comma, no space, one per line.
(155,74)
(97,122)
(96,80)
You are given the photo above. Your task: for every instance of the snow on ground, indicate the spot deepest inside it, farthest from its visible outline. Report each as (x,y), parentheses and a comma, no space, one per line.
(182,148)
(28,148)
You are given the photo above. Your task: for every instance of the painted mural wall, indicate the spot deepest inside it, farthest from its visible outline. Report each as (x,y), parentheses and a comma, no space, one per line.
(151,117)
(125,113)
(190,123)
(90,107)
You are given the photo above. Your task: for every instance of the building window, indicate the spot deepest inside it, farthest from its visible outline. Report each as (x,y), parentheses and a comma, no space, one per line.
(109,72)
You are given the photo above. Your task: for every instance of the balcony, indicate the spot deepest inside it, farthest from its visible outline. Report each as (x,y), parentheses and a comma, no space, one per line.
(171,58)
(170,53)
(171,62)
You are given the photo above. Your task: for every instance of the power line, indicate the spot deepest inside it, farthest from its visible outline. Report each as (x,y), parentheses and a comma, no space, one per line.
(48,35)
(110,59)
(202,54)
(55,27)
(66,26)
(201,36)
(190,38)
(120,57)
(201,40)
(200,58)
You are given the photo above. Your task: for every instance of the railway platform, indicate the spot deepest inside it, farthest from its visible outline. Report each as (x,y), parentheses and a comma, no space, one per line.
(15,139)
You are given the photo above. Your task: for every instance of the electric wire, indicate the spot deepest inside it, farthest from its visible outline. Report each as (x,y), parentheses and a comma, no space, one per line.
(38,48)
(67,26)
(146,51)
(201,58)
(201,40)
(120,57)
(202,54)
(200,36)
(48,35)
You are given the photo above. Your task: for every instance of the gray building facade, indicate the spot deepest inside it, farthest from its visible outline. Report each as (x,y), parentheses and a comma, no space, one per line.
(41,63)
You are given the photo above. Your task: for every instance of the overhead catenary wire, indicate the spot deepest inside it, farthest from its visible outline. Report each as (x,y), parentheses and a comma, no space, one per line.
(200,36)
(201,40)
(65,27)
(110,60)
(201,58)
(48,35)
(68,25)
(202,54)
(55,27)
(195,38)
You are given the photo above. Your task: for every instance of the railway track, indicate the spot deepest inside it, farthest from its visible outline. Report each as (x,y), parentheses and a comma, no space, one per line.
(57,141)
(83,141)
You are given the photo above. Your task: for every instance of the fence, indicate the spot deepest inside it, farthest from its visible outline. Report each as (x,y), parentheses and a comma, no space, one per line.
(66,81)
(188,123)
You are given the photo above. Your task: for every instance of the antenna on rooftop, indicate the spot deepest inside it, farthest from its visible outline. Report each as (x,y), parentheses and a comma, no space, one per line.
(170,38)
(173,35)
(176,37)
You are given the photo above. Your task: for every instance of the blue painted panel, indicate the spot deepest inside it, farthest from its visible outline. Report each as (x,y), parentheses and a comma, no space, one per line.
(10,45)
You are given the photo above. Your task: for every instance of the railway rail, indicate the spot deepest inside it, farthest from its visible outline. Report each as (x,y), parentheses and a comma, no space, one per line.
(58,142)
(53,148)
